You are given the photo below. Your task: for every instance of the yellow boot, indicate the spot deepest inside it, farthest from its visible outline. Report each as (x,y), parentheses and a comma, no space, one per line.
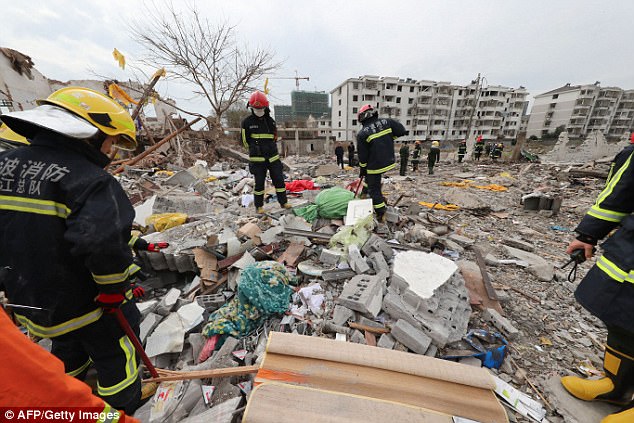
(626,416)
(615,388)
(287,206)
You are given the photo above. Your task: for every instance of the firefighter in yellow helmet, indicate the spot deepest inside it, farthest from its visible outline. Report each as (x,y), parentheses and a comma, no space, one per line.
(64,229)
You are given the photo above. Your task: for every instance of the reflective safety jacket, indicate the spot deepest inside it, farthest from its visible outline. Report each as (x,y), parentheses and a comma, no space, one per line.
(32,377)
(375,144)
(64,230)
(612,208)
(462,149)
(258,136)
(619,159)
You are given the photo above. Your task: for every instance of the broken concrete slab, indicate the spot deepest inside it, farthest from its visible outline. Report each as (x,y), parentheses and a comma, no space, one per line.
(542,269)
(168,337)
(148,324)
(182,178)
(501,323)
(341,315)
(413,338)
(220,413)
(356,261)
(518,243)
(168,302)
(421,272)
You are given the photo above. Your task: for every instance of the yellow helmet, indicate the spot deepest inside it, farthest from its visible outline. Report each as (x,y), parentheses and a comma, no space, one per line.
(7,134)
(435,143)
(100,110)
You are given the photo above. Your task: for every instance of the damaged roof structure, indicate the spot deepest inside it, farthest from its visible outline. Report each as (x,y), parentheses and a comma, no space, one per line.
(454,310)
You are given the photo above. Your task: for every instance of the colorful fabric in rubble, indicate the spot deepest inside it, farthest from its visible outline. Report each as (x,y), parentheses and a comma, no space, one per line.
(263,290)
(300,185)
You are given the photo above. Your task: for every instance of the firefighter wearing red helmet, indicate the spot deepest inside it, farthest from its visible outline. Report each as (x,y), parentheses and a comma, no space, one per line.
(375,146)
(259,135)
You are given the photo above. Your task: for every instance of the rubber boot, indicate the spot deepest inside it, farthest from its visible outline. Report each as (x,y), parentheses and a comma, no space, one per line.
(626,416)
(615,388)
(287,206)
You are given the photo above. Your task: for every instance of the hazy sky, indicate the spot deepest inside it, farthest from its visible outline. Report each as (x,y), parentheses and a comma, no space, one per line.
(538,44)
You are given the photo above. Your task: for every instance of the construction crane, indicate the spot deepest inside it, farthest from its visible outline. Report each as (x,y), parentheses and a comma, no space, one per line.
(296,78)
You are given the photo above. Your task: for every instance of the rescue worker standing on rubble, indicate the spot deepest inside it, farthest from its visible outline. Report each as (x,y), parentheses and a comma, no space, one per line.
(416,156)
(462,150)
(607,291)
(339,154)
(404,156)
(259,135)
(64,229)
(479,146)
(620,158)
(433,156)
(375,146)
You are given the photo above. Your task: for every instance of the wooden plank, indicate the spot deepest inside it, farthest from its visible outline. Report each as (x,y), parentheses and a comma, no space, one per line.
(439,395)
(206,262)
(371,329)
(395,361)
(205,374)
(315,405)
(370,339)
(473,281)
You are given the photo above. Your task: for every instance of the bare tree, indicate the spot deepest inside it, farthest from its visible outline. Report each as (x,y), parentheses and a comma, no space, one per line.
(205,54)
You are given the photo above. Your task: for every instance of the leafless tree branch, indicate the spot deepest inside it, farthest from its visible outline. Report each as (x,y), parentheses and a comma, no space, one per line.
(202,53)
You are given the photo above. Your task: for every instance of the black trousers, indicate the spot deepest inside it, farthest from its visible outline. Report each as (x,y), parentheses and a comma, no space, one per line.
(460,157)
(350,162)
(276,170)
(403,167)
(106,346)
(374,191)
(340,161)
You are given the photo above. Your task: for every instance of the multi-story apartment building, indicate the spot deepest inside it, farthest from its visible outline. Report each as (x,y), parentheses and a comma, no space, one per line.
(304,104)
(582,109)
(430,109)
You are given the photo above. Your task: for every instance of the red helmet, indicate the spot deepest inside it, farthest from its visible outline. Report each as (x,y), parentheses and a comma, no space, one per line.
(258,100)
(366,112)
(632,138)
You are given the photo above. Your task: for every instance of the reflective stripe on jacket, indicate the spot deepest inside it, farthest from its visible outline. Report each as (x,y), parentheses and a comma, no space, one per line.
(64,230)
(258,137)
(375,144)
(612,208)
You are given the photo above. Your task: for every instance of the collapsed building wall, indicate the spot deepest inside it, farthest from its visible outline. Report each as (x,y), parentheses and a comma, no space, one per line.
(594,147)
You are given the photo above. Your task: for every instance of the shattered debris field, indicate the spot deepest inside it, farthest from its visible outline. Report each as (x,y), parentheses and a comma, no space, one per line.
(454,307)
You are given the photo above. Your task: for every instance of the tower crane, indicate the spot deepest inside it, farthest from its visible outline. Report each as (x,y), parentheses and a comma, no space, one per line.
(296,78)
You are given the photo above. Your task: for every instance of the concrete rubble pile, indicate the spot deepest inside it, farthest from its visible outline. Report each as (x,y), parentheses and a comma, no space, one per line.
(414,283)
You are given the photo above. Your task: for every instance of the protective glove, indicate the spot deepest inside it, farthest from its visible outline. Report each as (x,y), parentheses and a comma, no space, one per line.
(362,172)
(137,291)
(109,302)
(143,245)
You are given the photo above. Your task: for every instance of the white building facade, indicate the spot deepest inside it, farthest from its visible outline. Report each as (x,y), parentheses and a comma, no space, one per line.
(582,109)
(430,110)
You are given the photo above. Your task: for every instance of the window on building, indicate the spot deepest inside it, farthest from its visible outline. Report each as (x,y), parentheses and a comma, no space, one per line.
(411,89)
(340,102)
(399,88)
(339,135)
(339,92)
(339,124)
(355,110)
(354,121)
(339,113)
(555,96)
(355,98)
(410,101)
(408,122)
(355,85)
(398,99)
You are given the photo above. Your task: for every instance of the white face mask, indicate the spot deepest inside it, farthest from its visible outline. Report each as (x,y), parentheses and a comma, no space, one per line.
(258,112)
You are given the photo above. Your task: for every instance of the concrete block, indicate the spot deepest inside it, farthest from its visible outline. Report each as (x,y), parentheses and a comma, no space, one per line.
(362,293)
(463,241)
(362,320)
(377,260)
(329,256)
(386,341)
(376,243)
(358,338)
(518,243)
(432,351)
(146,307)
(411,337)
(501,323)
(182,178)
(392,215)
(341,315)
(357,263)
(168,337)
